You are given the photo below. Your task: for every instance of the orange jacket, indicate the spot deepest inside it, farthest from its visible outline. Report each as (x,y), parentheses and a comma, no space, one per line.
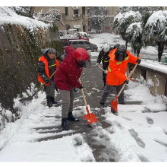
(116,70)
(42,58)
(112,52)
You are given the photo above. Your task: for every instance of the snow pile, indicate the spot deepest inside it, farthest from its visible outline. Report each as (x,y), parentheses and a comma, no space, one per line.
(150,83)
(154,65)
(9,16)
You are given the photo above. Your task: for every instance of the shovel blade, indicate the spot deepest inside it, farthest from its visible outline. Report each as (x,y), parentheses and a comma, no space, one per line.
(91,118)
(26,99)
(114,105)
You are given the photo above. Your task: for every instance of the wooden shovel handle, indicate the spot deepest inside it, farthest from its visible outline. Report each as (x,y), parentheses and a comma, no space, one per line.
(42,85)
(101,68)
(129,77)
(83,94)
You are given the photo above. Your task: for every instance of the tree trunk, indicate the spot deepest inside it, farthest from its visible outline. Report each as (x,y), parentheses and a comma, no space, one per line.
(31,11)
(126,44)
(138,52)
(160,50)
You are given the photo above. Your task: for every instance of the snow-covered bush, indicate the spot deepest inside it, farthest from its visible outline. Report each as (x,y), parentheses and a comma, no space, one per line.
(155,30)
(123,20)
(134,36)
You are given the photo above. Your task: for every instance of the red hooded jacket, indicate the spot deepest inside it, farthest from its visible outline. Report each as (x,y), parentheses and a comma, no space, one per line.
(68,73)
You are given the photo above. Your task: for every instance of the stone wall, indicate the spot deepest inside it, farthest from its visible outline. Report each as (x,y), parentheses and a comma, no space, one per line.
(20,50)
(158,79)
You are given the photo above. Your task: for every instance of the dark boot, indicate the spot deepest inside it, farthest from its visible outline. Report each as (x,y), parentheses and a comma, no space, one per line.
(64,124)
(53,100)
(71,117)
(49,102)
(101,105)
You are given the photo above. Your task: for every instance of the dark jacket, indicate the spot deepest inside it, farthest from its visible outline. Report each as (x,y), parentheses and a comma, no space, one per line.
(41,67)
(68,73)
(104,59)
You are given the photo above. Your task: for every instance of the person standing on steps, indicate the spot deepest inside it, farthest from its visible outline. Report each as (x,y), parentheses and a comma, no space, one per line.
(119,59)
(103,56)
(66,79)
(47,65)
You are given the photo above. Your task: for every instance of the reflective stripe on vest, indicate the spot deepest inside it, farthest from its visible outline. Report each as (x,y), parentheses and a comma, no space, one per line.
(105,61)
(124,60)
(127,58)
(52,65)
(109,69)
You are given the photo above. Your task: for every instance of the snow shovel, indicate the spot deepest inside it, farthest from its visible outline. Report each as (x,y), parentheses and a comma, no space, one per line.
(104,70)
(31,97)
(90,117)
(114,103)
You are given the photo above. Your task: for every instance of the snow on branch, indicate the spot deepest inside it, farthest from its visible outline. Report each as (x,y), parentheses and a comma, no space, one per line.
(50,16)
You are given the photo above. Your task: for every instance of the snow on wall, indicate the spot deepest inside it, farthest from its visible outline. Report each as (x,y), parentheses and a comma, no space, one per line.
(8,16)
(154,65)
(150,83)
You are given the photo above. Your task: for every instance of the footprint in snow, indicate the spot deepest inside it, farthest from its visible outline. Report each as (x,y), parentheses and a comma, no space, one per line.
(149,120)
(134,134)
(127,118)
(78,141)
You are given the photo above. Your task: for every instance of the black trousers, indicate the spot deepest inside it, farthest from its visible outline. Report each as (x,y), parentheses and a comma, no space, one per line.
(108,89)
(104,78)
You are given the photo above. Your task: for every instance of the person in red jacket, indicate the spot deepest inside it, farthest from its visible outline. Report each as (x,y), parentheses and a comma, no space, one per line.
(118,62)
(66,79)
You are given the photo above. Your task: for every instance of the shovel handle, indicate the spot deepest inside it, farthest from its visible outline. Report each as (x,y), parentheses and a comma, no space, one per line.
(101,68)
(30,97)
(129,77)
(134,67)
(43,85)
(83,95)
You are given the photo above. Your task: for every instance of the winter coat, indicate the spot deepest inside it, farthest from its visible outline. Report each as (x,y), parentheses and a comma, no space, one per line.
(46,67)
(68,73)
(104,59)
(116,70)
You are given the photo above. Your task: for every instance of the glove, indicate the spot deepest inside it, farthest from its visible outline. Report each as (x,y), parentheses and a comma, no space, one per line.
(75,90)
(97,64)
(105,71)
(138,61)
(46,81)
(126,81)
(81,87)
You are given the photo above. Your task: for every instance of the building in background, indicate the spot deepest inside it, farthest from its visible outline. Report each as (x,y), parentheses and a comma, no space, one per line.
(101,19)
(70,17)
(108,23)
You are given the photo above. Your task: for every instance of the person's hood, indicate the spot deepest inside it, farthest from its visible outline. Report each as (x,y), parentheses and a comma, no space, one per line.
(69,49)
(45,51)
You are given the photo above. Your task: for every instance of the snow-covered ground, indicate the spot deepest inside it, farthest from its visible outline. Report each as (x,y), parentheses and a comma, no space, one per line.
(139,133)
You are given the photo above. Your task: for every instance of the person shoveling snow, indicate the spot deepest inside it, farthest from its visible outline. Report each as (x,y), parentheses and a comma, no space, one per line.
(119,59)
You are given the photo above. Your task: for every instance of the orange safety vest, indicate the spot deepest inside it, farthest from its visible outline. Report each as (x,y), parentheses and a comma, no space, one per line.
(116,70)
(111,52)
(44,60)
